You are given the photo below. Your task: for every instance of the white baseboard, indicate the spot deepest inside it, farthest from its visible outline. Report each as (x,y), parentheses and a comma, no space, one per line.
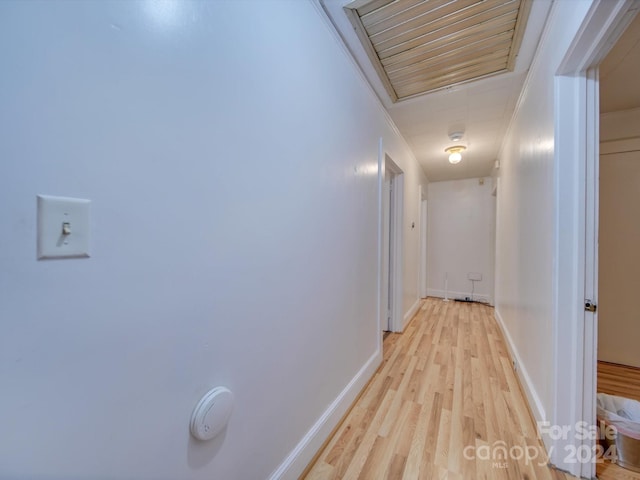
(295,463)
(452,295)
(521,370)
(409,315)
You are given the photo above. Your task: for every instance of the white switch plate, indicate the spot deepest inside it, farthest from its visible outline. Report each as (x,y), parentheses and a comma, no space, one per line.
(53,214)
(475,276)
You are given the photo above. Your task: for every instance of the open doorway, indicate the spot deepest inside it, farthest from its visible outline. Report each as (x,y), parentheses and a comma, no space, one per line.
(618,234)
(392,215)
(577,163)
(422,282)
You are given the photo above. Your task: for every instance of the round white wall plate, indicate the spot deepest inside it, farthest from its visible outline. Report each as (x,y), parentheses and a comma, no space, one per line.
(212,413)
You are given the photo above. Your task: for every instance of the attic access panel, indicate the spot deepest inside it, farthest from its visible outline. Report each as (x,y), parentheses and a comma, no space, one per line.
(418,46)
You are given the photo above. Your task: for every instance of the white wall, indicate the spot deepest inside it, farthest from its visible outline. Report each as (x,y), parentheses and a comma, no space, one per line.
(525,214)
(619,236)
(623,124)
(230,151)
(461,237)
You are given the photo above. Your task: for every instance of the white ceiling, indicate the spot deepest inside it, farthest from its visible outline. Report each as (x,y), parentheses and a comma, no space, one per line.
(482,109)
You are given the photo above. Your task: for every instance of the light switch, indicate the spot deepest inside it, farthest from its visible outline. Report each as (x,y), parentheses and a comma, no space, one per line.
(63,227)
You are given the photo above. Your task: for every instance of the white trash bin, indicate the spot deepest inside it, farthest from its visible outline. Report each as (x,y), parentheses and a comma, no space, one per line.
(623,414)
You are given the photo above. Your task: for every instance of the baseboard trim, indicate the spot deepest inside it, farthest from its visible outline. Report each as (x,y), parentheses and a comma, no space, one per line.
(300,457)
(410,313)
(535,404)
(452,295)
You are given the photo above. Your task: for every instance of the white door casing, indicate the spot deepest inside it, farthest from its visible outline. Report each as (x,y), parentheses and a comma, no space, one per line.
(391,202)
(576,197)
(423,245)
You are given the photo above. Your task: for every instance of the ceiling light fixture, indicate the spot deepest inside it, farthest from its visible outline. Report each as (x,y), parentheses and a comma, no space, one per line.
(455,153)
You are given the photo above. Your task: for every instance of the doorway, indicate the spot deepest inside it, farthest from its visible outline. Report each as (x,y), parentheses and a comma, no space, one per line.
(619,237)
(422,283)
(576,270)
(618,233)
(618,261)
(392,220)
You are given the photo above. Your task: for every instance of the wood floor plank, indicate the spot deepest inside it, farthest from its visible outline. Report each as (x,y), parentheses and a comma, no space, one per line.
(321,471)
(368,439)
(476,392)
(444,393)
(609,471)
(456,427)
(622,381)
(407,437)
(385,460)
(419,438)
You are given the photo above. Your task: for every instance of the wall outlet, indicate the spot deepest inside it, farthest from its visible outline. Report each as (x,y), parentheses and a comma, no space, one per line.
(475,276)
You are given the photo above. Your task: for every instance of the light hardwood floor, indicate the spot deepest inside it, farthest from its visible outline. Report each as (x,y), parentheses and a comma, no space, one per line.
(622,381)
(608,471)
(444,399)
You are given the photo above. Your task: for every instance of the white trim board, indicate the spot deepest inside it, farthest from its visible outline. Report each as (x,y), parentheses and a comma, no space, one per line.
(380,269)
(392,258)
(452,295)
(298,459)
(410,313)
(423,278)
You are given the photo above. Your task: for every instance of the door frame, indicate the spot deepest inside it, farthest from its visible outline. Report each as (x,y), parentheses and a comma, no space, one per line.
(422,276)
(576,208)
(397,241)
(390,250)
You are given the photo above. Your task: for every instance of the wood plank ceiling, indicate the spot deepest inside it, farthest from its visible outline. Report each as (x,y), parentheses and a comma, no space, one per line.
(418,46)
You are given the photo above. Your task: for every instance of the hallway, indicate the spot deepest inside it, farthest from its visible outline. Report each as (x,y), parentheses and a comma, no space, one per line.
(443,402)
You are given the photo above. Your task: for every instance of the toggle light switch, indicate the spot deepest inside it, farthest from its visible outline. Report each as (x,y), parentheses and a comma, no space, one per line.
(63,227)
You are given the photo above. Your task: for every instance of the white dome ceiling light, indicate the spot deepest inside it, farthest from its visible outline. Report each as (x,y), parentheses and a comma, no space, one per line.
(455,153)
